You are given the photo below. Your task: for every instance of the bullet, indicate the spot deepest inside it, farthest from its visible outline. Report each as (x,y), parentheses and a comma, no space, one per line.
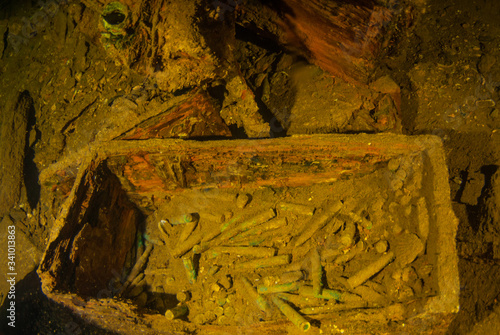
(248,224)
(229,222)
(189,227)
(292,314)
(316,273)
(254,296)
(353,251)
(296,208)
(176,312)
(181,219)
(300,300)
(364,222)
(307,291)
(213,270)
(242,200)
(367,272)
(291,276)
(200,248)
(258,252)
(381,246)
(206,242)
(347,235)
(183,296)
(331,308)
(256,220)
(187,245)
(190,270)
(278,288)
(216,218)
(267,226)
(264,262)
(317,222)
(137,268)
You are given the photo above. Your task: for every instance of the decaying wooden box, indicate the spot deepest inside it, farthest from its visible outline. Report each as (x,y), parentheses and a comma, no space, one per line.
(117,184)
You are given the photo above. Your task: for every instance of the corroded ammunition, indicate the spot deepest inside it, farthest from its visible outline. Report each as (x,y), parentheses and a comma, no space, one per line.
(291,314)
(300,300)
(187,245)
(137,268)
(364,222)
(211,235)
(270,225)
(242,200)
(202,247)
(329,308)
(347,236)
(260,252)
(255,296)
(363,275)
(291,276)
(248,224)
(256,220)
(279,288)
(176,312)
(264,262)
(296,208)
(183,296)
(182,219)
(316,272)
(328,254)
(213,270)
(217,218)
(381,246)
(229,223)
(317,222)
(189,227)
(307,291)
(206,242)
(190,270)
(357,249)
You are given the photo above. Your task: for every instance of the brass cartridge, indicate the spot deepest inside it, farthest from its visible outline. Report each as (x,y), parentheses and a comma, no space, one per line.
(176,312)
(190,270)
(257,220)
(317,222)
(291,276)
(364,222)
(291,314)
(267,226)
(316,273)
(189,227)
(254,296)
(363,275)
(345,297)
(183,296)
(248,224)
(264,262)
(259,252)
(308,291)
(187,245)
(296,208)
(347,235)
(182,219)
(300,300)
(279,288)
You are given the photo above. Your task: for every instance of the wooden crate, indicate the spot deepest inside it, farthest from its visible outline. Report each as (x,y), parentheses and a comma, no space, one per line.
(119,183)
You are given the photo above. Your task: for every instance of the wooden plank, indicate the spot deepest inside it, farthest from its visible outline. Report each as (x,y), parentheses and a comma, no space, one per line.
(342,37)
